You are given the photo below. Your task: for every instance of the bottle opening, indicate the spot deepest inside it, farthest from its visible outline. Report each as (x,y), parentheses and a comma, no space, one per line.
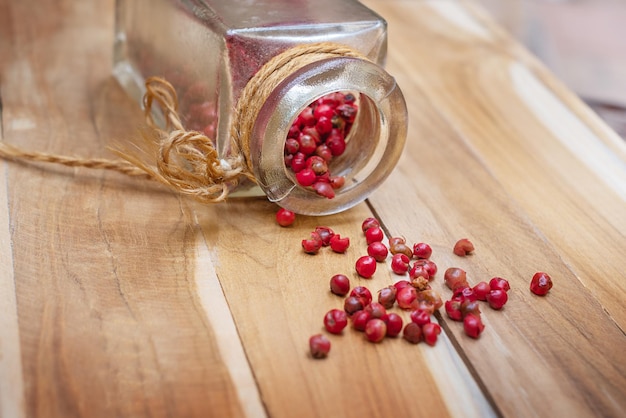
(373,143)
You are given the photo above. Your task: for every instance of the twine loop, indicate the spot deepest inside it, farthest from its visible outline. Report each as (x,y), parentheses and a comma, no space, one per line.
(188,160)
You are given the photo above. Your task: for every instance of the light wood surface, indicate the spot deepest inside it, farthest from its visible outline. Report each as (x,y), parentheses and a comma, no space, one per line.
(118,298)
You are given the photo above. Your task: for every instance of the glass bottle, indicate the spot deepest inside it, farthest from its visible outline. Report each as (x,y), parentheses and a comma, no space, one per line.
(209,50)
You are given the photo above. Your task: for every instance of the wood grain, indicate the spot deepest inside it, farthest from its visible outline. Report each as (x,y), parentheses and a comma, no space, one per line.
(529,199)
(110,320)
(121,299)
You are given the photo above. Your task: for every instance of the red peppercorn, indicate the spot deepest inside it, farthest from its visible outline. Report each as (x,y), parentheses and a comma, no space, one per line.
(298,162)
(307,144)
(407,298)
(463,247)
(387,296)
(497,298)
(324,189)
(306,177)
(317,164)
(481,290)
(370,223)
(313,244)
(362,293)
(325,234)
(418,270)
(306,117)
(422,250)
(338,244)
(399,263)
(401,284)
(336,144)
(464,293)
(470,307)
(319,346)
(324,125)
(428,265)
(285,217)
(420,317)
(335,321)
(453,309)
(337,182)
(375,330)
(394,324)
(340,284)
(499,283)
(366,266)
(311,131)
(293,133)
(374,234)
(431,268)
(324,110)
(455,277)
(292,145)
(376,310)
(473,325)
(352,305)
(360,319)
(378,250)
(541,283)
(412,333)
(431,331)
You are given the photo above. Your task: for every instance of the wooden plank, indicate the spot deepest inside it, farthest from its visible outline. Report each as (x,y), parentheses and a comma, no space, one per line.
(129,301)
(482,162)
(11,383)
(111,320)
(279,295)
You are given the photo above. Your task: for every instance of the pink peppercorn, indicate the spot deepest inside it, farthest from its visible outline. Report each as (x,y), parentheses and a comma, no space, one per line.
(378,250)
(481,290)
(422,250)
(319,346)
(335,321)
(497,298)
(340,284)
(394,324)
(374,234)
(360,319)
(499,283)
(399,263)
(339,244)
(431,331)
(369,223)
(473,325)
(285,217)
(362,293)
(420,317)
(412,333)
(375,330)
(366,266)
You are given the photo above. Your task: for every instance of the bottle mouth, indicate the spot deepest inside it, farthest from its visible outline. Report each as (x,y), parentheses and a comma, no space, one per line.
(373,148)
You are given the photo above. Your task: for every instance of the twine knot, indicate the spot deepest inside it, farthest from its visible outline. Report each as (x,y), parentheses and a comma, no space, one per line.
(188,160)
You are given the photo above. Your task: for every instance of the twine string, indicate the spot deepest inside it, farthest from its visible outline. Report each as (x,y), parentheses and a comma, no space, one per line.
(187,161)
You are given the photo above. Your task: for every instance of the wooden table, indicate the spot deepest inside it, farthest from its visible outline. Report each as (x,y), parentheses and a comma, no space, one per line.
(120,298)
